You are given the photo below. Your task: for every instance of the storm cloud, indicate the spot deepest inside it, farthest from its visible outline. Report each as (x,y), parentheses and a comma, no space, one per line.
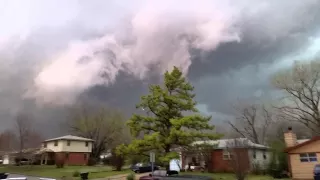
(54,52)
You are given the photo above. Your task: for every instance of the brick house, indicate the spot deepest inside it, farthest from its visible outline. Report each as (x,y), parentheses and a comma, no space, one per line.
(73,149)
(252,155)
(303,155)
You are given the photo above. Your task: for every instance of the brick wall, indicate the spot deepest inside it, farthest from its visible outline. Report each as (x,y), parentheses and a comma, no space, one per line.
(74,158)
(221,165)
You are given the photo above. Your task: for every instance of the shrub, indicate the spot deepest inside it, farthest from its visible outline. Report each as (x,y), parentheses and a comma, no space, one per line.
(117,162)
(76,174)
(256,169)
(92,161)
(60,162)
(131,176)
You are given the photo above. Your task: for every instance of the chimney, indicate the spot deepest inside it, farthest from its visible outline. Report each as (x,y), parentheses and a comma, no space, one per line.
(290,138)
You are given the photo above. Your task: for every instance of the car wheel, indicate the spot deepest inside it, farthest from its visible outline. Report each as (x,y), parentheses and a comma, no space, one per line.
(137,171)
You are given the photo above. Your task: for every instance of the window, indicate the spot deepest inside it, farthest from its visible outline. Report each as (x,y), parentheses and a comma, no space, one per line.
(308,157)
(67,155)
(85,156)
(87,144)
(226,155)
(264,155)
(68,143)
(254,155)
(55,143)
(45,145)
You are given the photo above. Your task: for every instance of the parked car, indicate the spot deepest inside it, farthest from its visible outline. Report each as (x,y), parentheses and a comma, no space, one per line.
(159,174)
(142,168)
(316,172)
(173,175)
(4,175)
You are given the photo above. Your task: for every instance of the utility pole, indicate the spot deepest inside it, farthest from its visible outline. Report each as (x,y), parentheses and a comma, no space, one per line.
(152,160)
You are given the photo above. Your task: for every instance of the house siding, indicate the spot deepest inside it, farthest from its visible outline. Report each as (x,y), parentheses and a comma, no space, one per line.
(218,163)
(303,170)
(259,160)
(50,145)
(75,146)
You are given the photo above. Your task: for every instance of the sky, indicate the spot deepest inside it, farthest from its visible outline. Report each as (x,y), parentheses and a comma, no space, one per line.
(54,53)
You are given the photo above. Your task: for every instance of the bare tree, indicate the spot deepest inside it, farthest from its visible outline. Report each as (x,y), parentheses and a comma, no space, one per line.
(204,151)
(8,141)
(23,127)
(103,125)
(254,121)
(27,137)
(238,157)
(301,87)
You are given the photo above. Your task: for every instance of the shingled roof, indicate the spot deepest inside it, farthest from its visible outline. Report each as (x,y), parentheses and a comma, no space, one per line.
(69,137)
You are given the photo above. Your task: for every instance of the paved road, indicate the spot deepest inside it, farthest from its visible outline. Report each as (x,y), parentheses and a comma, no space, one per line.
(28,177)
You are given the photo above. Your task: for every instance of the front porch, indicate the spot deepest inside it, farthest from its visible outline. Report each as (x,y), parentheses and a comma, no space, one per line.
(47,156)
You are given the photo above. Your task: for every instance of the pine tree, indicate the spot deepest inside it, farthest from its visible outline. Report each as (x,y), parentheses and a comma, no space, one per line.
(172,119)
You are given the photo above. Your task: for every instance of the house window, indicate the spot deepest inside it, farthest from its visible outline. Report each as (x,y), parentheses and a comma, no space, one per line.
(87,144)
(226,155)
(85,156)
(264,155)
(308,157)
(254,155)
(45,145)
(55,143)
(68,143)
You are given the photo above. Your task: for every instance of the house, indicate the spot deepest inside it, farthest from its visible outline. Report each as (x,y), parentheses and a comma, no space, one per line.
(73,149)
(252,155)
(25,155)
(303,155)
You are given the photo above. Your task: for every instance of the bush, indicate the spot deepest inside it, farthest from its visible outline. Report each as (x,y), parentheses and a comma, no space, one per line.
(60,162)
(106,161)
(76,174)
(256,169)
(92,161)
(131,176)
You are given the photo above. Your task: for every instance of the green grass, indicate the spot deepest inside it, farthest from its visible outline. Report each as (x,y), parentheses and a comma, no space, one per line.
(229,176)
(67,171)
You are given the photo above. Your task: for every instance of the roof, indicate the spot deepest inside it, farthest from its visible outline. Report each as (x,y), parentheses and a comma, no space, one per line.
(225,143)
(303,143)
(26,151)
(69,137)
(302,140)
(43,150)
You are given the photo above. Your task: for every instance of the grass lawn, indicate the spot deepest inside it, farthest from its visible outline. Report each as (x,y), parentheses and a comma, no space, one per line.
(53,172)
(229,176)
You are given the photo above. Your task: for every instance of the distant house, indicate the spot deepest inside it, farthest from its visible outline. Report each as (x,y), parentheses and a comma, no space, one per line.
(253,155)
(303,155)
(25,155)
(73,149)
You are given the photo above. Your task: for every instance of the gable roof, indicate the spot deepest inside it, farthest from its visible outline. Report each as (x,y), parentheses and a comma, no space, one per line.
(227,143)
(69,137)
(306,142)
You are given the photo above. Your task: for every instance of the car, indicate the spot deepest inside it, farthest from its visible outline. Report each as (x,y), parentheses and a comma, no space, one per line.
(4,175)
(143,167)
(172,175)
(159,174)
(316,172)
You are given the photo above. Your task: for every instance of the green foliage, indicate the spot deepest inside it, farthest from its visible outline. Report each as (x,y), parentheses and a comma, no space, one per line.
(76,174)
(279,157)
(131,176)
(172,119)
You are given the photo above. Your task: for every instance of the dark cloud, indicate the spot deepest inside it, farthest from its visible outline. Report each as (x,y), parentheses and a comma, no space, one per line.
(221,75)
